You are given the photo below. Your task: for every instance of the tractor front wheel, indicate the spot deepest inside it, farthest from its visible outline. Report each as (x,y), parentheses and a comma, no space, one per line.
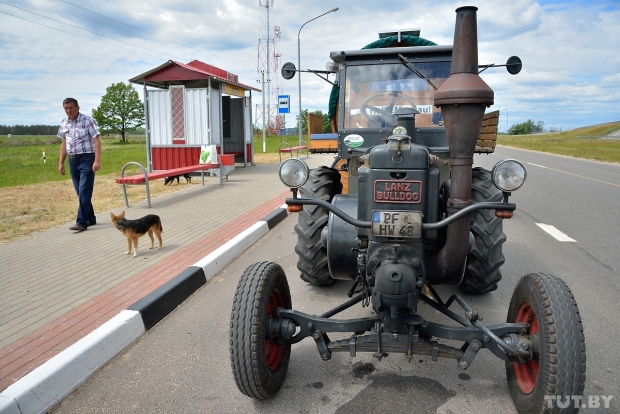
(558,370)
(259,363)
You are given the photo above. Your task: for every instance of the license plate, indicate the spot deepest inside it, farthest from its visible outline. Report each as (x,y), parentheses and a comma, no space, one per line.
(401,224)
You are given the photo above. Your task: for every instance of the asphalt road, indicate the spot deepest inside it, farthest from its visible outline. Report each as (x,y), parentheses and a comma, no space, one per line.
(182,365)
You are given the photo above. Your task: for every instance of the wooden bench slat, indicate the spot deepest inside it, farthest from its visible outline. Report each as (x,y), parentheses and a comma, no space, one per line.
(488,129)
(486,144)
(490,122)
(493,114)
(488,133)
(293,148)
(487,137)
(139,178)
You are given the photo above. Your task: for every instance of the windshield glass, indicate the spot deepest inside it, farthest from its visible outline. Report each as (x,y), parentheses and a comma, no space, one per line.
(373,92)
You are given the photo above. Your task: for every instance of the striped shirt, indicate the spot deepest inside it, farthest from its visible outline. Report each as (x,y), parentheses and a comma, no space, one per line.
(79,135)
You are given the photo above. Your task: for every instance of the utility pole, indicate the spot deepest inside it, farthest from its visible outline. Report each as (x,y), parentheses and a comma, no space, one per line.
(300,120)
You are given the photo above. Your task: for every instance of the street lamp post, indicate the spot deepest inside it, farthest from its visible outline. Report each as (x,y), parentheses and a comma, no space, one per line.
(263,95)
(299,121)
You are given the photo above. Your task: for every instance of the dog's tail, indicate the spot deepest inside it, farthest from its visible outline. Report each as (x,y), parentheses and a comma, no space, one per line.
(161,228)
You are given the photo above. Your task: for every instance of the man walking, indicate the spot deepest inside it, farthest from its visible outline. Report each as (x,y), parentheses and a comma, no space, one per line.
(82,144)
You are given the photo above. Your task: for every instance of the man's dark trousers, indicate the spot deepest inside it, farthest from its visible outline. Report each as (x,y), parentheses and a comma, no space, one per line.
(83,176)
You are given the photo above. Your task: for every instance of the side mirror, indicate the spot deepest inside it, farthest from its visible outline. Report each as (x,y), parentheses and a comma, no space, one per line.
(288,70)
(513,65)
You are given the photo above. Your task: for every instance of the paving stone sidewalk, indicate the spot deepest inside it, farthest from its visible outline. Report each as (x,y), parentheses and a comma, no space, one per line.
(58,286)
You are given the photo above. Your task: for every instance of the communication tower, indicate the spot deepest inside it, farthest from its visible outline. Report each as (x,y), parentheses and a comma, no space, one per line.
(269,64)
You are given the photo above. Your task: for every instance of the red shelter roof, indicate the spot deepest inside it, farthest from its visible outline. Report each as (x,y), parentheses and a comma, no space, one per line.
(194,74)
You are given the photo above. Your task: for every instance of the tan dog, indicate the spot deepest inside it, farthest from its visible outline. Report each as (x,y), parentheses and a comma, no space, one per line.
(134,229)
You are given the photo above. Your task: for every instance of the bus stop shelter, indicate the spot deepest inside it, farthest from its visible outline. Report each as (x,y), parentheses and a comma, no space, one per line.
(192,105)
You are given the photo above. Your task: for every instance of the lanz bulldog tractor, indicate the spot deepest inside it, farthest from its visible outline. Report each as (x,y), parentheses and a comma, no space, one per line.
(415,214)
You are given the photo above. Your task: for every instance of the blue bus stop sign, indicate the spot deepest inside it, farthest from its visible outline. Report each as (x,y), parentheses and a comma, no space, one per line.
(284,104)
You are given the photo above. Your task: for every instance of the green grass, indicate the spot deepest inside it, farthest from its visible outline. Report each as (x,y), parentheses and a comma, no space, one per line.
(273,142)
(21,158)
(567,143)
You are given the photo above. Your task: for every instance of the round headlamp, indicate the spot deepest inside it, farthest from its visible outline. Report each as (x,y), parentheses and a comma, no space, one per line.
(294,172)
(508,175)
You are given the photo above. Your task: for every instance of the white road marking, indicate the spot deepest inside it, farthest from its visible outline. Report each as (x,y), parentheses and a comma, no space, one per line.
(555,233)
(536,165)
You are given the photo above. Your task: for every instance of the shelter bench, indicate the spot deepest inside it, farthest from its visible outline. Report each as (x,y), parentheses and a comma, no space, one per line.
(145,177)
(286,147)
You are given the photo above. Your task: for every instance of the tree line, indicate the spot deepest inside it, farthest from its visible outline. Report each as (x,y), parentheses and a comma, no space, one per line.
(28,129)
(120,112)
(527,127)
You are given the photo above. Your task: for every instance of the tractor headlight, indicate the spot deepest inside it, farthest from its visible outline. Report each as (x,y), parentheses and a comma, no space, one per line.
(509,175)
(294,172)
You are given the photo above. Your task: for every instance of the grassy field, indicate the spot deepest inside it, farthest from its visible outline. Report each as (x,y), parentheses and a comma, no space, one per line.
(35,197)
(273,142)
(21,158)
(567,143)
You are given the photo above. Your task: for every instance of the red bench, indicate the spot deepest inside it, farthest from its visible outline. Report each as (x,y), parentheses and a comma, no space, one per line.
(145,177)
(286,147)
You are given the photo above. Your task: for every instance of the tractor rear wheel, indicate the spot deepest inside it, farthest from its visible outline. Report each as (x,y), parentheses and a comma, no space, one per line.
(558,368)
(483,263)
(323,184)
(259,364)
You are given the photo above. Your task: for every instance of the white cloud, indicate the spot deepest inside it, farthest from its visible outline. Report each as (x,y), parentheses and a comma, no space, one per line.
(570,52)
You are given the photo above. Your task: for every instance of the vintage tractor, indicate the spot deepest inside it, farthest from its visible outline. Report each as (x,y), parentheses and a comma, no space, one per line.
(415,214)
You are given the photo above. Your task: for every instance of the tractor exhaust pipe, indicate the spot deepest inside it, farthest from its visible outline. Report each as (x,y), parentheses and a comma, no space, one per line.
(462,99)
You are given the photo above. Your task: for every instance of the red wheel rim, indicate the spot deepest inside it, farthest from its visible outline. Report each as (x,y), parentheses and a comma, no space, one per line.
(274,352)
(526,374)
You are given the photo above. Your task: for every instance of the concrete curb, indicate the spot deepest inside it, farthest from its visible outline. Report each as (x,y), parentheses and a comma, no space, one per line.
(156,305)
(46,386)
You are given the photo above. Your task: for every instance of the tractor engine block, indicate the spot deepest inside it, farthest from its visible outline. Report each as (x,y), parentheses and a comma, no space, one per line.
(395,274)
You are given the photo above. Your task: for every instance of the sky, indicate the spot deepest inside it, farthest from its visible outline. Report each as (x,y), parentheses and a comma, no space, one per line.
(53,49)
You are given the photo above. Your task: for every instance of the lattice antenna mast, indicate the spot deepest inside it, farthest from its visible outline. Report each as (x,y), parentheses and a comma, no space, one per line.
(265,60)
(277,88)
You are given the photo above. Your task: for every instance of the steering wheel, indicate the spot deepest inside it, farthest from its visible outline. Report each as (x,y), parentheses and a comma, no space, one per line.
(384,118)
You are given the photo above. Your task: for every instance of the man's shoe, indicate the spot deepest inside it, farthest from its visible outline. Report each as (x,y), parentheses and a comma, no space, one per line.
(90,223)
(77,227)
